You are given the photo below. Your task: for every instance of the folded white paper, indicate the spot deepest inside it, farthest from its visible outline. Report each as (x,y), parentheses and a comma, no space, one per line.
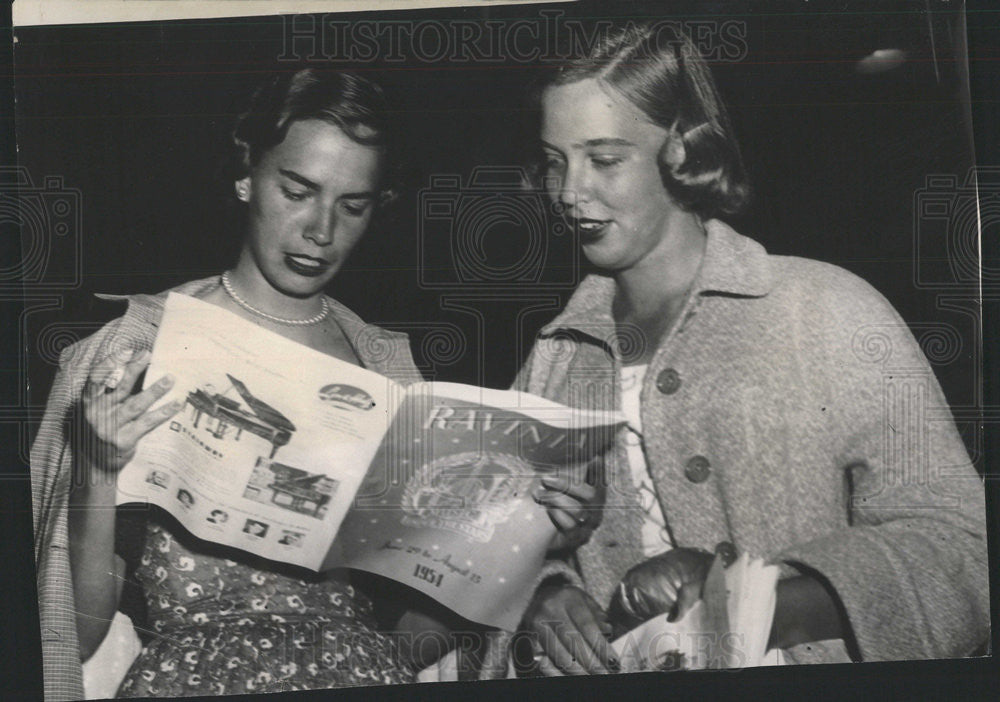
(728,628)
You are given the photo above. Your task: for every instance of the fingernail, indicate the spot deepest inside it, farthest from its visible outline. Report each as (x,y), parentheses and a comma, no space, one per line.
(554,483)
(539,494)
(116,377)
(167,380)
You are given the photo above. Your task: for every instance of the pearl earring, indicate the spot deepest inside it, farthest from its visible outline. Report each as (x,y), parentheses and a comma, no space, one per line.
(242,192)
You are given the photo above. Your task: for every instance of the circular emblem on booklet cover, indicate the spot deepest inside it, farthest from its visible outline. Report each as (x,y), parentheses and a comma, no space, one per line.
(467,493)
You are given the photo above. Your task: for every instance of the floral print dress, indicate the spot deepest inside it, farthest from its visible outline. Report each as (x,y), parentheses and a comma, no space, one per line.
(220,626)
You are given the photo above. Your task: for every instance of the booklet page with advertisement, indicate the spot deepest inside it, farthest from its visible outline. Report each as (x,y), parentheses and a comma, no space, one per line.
(273,439)
(298,457)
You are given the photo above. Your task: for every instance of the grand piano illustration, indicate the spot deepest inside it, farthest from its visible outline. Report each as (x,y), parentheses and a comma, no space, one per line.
(291,488)
(231,416)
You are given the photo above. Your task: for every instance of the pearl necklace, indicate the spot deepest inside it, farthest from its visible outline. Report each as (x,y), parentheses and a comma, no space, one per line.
(316,319)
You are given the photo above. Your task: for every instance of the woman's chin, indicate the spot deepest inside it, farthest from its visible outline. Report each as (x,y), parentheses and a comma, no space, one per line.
(299,286)
(602,260)
(302,292)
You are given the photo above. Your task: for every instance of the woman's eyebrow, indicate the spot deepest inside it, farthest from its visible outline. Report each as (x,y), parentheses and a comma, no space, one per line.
(364,195)
(305,182)
(299,178)
(590,143)
(608,141)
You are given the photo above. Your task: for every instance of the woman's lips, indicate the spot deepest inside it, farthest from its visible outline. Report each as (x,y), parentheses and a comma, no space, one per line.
(591,229)
(306,265)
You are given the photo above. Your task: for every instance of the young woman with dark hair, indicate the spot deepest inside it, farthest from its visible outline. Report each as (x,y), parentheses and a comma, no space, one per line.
(309,168)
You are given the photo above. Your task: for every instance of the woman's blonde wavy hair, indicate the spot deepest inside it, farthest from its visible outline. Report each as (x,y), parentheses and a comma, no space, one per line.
(660,71)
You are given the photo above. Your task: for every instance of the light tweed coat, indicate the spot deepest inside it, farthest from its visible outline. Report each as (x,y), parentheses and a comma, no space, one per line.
(383,351)
(828,443)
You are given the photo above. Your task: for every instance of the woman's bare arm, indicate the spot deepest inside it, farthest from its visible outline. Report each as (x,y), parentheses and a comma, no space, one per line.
(112,422)
(96,570)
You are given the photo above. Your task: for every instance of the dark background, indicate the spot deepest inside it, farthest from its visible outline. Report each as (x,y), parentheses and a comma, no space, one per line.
(136,118)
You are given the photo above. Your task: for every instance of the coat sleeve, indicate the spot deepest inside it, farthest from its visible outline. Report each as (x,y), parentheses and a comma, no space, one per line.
(51,463)
(911,568)
(51,468)
(522,380)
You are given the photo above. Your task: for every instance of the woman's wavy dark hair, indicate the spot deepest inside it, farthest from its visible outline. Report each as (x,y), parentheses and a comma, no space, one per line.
(661,72)
(346,100)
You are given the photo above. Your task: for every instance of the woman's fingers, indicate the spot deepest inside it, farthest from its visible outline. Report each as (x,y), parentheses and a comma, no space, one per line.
(594,647)
(624,596)
(654,595)
(148,421)
(572,505)
(558,653)
(115,376)
(135,405)
(570,629)
(102,376)
(566,512)
(124,380)
(547,668)
(117,419)
(653,586)
(94,387)
(686,599)
(574,487)
(647,603)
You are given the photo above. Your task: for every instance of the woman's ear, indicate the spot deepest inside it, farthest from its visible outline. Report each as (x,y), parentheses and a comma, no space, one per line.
(673,153)
(243,189)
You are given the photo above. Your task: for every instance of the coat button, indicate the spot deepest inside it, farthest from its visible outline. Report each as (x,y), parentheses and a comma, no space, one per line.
(727,551)
(668,381)
(697,469)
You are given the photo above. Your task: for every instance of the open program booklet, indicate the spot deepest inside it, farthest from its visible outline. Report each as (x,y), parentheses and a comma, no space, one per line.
(295,456)
(728,628)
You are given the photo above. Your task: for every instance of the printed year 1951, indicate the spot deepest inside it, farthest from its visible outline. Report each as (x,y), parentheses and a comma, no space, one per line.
(429,574)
